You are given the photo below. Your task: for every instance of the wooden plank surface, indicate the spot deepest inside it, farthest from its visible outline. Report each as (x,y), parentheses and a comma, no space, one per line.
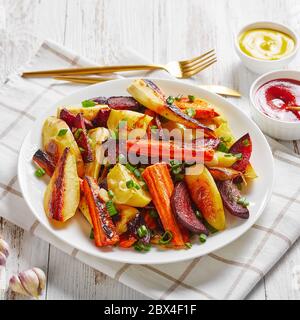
(160,30)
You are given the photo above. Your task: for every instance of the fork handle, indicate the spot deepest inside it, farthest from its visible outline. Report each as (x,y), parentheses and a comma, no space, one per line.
(91,70)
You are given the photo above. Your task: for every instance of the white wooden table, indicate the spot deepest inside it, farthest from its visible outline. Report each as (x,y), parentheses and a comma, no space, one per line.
(161,30)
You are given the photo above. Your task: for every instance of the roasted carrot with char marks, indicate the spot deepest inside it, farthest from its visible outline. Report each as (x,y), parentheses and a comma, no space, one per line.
(168,150)
(104,229)
(161,187)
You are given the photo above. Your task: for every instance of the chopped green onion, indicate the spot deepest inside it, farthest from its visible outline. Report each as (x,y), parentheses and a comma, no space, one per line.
(121,158)
(130,167)
(188,245)
(243,202)
(40,172)
(198,214)
(228,155)
(153,213)
(88,103)
(77,133)
(139,246)
(246,142)
(202,237)
(154,127)
(114,135)
(190,112)
(62,132)
(81,149)
(222,147)
(137,173)
(225,139)
(142,231)
(191,98)
(131,184)
(178,98)
(239,156)
(166,238)
(92,236)
(110,193)
(170,100)
(111,208)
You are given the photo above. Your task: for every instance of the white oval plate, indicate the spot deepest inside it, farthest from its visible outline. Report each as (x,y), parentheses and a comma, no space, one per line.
(76,231)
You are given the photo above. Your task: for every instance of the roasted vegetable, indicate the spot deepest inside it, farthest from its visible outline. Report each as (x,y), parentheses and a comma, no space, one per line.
(123,103)
(88,113)
(126,214)
(182,208)
(101,118)
(221,159)
(134,120)
(62,195)
(43,160)
(206,196)
(222,174)
(127,240)
(161,187)
(224,133)
(83,206)
(231,197)
(168,150)
(104,229)
(242,147)
(82,139)
(150,96)
(200,108)
(96,138)
(118,180)
(69,118)
(54,144)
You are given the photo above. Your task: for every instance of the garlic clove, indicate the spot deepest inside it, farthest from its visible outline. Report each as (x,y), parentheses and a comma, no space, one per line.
(31,282)
(4,248)
(16,286)
(42,279)
(2,259)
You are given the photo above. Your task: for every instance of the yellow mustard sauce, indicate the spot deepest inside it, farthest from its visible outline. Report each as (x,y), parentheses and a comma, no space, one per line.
(266,44)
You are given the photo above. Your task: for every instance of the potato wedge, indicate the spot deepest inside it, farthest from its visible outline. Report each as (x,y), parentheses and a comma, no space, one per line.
(62,195)
(55,144)
(221,159)
(135,120)
(116,181)
(88,113)
(206,196)
(97,136)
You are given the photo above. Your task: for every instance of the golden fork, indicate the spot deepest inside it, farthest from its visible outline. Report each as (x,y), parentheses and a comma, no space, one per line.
(179,69)
(221,90)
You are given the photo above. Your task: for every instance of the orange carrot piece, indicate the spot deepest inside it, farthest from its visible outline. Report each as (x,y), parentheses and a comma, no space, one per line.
(127,241)
(161,187)
(168,150)
(150,221)
(104,229)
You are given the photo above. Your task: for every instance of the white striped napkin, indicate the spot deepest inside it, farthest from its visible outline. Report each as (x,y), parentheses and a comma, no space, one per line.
(229,273)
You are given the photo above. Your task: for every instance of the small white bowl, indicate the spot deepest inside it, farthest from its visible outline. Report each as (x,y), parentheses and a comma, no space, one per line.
(262,66)
(283,130)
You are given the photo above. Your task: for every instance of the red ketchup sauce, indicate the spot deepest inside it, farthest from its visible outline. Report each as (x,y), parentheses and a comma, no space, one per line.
(273,97)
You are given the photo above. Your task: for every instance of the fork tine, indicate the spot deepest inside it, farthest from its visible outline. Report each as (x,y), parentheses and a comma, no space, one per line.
(200,68)
(188,66)
(197,66)
(196,58)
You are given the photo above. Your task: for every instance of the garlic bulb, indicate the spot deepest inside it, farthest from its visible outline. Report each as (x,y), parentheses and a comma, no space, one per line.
(30,283)
(4,253)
